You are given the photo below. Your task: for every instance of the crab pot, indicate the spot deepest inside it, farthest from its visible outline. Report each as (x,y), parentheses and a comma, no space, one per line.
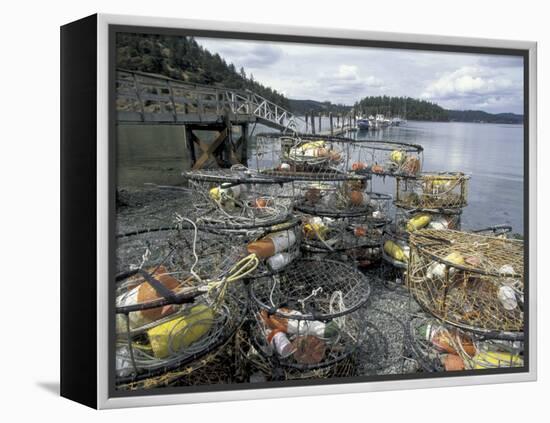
(307,317)
(215,368)
(354,240)
(437,347)
(433,191)
(254,365)
(471,281)
(386,158)
(410,220)
(175,336)
(302,157)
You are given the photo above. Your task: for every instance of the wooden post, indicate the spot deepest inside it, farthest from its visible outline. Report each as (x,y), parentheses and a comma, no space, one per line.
(312,123)
(338,120)
(190,141)
(307,123)
(330,120)
(320,127)
(244,144)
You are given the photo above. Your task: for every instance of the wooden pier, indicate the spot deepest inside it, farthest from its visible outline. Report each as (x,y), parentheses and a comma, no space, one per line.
(149,99)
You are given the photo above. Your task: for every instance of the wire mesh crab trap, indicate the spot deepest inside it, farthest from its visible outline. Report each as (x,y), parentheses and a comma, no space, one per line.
(356,240)
(306,317)
(438,347)
(471,281)
(433,191)
(341,199)
(255,365)
(176,299)
(410,220)
(303,157)
(172,337)
(234,199)
(216,368)
(386,158)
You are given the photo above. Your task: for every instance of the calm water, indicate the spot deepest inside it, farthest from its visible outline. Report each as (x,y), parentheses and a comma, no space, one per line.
(491,154)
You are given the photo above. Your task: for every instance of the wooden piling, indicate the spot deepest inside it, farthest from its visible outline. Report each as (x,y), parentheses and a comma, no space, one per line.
(330,120)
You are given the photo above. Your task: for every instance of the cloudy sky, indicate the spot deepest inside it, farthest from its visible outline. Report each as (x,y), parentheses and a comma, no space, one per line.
(345,75)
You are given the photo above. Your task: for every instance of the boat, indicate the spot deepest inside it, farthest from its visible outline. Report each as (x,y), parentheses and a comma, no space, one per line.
(363,124)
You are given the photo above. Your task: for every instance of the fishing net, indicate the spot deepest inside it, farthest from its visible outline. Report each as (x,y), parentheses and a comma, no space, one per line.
(386,158)
(307,314)
(304,157)
(410,220)
(471,281)
(438,347)
(433,191)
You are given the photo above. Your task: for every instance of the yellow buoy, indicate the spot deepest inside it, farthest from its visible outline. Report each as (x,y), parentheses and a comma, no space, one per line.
(397,156)
(418,222)
(179,333)
(395,251)
(492,359)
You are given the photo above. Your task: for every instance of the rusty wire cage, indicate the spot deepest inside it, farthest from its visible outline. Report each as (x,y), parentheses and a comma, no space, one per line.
(303,157)
(307,316)
(386,158)
(237,199)
(410,220)
(439,347)
(471,281)
(433,191)
(255,364)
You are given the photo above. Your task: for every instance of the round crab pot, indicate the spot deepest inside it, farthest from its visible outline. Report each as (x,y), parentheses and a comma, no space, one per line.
(303,157)
(433,191)
(236,199)
(410,220)
(307,317)
(471,281)
(386,158)
(441,347)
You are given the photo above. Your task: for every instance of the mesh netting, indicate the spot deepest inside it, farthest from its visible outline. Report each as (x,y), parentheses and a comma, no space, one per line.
(258,364)
(354,240)
(439,347)
(386,158)
(308,314)
(412,220)
(472,281)
(227,199)
(341,199)
(433,191)
(304,157)
(155,341)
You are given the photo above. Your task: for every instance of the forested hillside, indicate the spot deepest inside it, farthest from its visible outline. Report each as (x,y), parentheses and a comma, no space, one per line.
(184,59)
(405,107)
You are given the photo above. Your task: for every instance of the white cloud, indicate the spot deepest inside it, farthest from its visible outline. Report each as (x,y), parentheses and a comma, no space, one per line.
(468,80)
(346,74)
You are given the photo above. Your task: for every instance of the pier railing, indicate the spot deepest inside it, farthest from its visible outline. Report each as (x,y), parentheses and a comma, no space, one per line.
(148,98)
